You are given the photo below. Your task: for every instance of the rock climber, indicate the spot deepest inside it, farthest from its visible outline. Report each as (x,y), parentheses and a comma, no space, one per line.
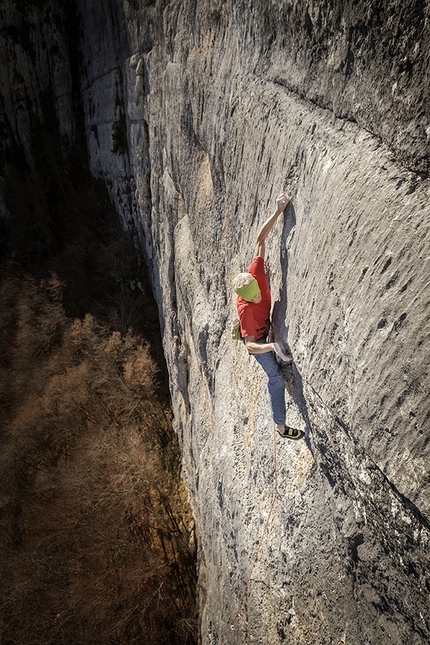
(253,308)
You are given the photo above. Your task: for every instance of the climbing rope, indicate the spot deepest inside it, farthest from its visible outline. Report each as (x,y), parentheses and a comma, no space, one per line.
(266,525)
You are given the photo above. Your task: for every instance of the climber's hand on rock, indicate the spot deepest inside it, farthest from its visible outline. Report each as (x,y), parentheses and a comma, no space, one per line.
(282,202)
(281,354)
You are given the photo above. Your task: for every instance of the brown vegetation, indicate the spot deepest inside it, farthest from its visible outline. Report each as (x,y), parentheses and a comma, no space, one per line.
(94,521)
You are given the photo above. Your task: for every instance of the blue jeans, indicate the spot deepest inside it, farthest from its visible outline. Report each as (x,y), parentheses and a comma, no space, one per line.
(275,384)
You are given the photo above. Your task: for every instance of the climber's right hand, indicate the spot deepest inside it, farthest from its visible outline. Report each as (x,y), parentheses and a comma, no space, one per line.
(282,201)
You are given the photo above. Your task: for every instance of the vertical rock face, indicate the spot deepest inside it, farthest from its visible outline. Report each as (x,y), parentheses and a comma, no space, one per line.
(36,77)
(197,115)
(225,105)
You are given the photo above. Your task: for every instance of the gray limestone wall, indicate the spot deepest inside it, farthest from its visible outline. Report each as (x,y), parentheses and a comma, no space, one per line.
(197,114)
(38,115)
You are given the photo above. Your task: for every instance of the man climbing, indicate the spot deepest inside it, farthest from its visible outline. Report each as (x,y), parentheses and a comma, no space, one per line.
(253,308)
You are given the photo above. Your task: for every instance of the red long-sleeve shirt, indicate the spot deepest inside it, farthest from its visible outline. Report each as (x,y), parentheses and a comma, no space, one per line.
(254,317)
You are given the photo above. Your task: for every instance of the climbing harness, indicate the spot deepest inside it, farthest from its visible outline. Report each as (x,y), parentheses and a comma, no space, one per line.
(266,525)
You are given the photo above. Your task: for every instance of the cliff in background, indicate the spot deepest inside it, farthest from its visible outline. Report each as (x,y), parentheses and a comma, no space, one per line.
(196,115)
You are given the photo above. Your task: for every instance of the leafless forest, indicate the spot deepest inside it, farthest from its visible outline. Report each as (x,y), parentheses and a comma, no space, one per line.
(94,521)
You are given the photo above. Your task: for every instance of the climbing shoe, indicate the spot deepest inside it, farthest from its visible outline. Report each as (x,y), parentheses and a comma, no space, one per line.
(290,433)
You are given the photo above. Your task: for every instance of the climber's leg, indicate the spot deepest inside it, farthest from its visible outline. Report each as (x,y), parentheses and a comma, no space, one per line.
(275,385)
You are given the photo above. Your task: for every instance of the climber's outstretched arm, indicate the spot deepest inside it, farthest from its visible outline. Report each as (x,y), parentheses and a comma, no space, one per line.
(264,231)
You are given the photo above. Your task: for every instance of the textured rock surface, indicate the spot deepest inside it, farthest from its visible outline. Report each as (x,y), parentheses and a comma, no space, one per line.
(36,78)
(197,114)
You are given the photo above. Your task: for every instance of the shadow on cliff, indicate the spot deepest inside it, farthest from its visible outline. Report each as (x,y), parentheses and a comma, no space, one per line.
(293,379)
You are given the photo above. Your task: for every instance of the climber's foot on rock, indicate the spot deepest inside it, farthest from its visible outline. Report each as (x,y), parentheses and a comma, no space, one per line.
(289,433)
